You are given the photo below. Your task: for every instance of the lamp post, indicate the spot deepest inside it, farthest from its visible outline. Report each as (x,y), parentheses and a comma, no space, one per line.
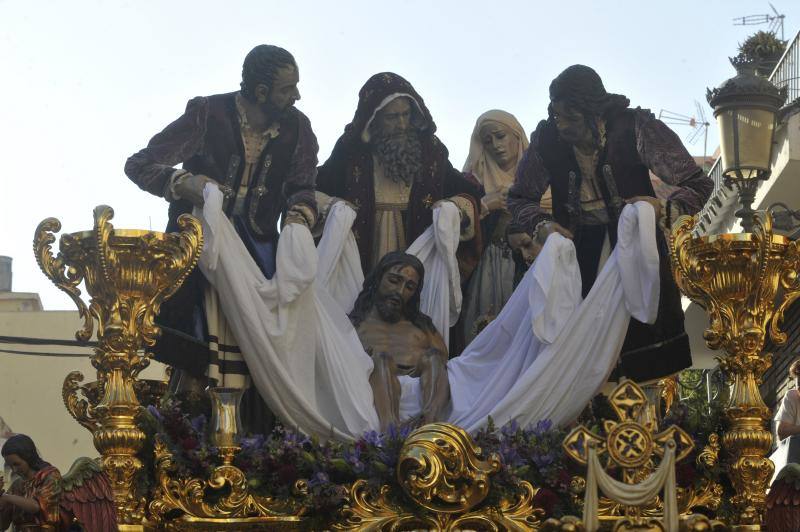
(745,107)
(745,281)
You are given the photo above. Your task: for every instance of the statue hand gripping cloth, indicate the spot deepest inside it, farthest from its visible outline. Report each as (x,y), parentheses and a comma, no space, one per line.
(339,262)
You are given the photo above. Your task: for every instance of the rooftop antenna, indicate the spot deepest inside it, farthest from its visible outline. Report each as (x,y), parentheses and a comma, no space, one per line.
(698,123)
(774,21)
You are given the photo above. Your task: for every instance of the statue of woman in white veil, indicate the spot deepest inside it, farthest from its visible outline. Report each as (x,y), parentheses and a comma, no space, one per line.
(496,147)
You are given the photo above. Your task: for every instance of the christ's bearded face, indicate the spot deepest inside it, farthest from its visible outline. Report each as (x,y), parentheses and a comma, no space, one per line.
(398,285)
(396,141)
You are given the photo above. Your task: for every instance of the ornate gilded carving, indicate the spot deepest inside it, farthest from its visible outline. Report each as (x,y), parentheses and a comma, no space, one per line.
(76,406)
(128,274)
(701,523)
(441,468)
(669,392)
(443,472)
(630,445)
(568,523)
(745,281)
(370,511)
(187,499)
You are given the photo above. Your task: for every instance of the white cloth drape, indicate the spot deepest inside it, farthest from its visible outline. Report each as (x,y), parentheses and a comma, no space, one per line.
(303,354)
(436,248)
(339,262)
(540,359)
(543,357)
(631,494)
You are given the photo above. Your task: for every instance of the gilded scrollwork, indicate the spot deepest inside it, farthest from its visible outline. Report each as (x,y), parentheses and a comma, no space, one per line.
(188,498)
(66,276)
(373,511)
(745,281)
(79,408)
(127,275)
(439,467)
(442,469)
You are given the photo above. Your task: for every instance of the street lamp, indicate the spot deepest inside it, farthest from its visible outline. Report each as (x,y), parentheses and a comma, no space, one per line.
(745,107)
(745,281)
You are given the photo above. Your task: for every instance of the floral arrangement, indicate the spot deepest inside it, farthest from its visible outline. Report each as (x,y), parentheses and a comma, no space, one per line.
(273,463)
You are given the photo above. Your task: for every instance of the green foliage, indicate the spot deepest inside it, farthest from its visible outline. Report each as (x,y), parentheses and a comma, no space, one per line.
(762,46)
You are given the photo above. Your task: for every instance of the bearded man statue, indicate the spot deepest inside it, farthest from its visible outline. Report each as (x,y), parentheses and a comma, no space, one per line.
(393,169)
(262,153)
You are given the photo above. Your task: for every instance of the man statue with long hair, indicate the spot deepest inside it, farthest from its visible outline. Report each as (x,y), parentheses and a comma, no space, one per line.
(596,154)
(410,356)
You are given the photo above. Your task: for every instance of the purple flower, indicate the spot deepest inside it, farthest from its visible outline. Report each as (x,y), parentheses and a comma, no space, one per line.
(353,457)
(542,460)
(155,413)
(510,429)
(198,423)
(373,438)
(318,479)
(253,443)
(544,425)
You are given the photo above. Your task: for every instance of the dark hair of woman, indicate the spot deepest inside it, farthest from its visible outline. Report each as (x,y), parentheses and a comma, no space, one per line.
(23,446)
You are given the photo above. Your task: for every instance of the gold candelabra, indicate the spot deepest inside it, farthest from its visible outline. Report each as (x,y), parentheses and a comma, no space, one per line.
(128,274)
(745,281)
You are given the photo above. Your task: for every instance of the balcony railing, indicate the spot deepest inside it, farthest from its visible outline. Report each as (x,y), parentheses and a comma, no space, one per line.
(787,72)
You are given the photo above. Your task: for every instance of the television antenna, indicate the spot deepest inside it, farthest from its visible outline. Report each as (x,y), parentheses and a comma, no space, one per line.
(774,20)
(698,123)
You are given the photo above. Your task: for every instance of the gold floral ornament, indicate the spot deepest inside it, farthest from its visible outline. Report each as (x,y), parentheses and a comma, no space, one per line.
(128,274)
(189,504)
(630,446)
(745,281)
(446,476)
(441,468)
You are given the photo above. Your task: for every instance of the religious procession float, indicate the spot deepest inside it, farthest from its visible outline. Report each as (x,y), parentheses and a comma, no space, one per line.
(354,417)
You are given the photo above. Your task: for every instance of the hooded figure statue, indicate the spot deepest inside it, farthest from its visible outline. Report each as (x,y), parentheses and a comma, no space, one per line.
(391,166)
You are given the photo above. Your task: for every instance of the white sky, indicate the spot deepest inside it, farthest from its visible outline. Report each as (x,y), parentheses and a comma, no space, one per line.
(86,83)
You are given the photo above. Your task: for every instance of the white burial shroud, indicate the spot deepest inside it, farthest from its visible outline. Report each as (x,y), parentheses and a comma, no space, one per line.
(544,357)
(436,249)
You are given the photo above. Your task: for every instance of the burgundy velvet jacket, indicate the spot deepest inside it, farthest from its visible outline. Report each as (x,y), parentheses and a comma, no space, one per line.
(348,174)
(207,140)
